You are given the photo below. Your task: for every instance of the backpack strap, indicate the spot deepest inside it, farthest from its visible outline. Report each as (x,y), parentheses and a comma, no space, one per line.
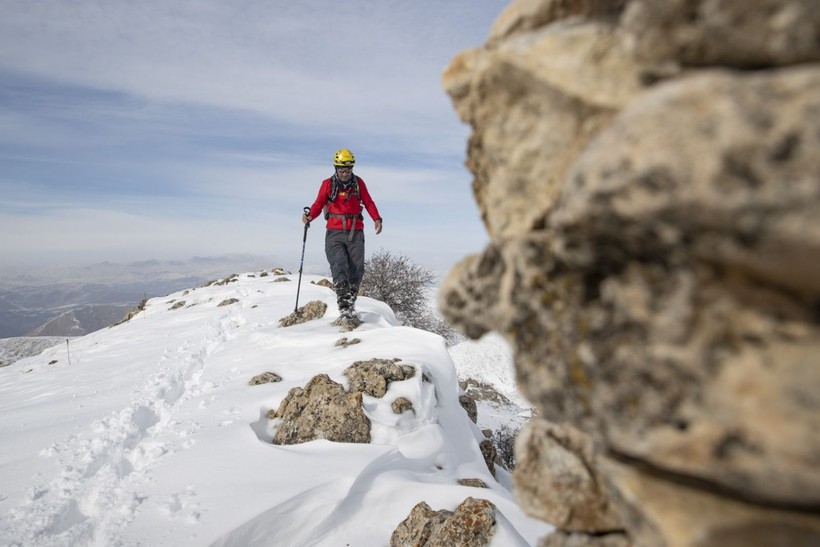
(335,185)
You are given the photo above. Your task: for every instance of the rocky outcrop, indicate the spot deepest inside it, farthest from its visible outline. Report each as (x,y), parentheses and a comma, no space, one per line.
(321,410)
(324,409)
(646,171)
(374,376)
(472,524)
(470,407)
(557,480)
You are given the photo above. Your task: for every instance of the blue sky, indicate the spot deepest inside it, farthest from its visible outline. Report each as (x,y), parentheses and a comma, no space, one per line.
(134,130)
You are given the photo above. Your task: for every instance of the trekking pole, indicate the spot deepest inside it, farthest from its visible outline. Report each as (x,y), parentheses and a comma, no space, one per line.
(302,262)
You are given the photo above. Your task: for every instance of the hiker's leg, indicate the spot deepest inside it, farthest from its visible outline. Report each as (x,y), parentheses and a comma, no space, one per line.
(337,257)
(355,250)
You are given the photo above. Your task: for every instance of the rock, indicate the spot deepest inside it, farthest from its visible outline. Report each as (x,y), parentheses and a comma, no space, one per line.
(482,391)
(347,324)
(133,312)
(654,258)
(374,376)
(281,279)
(472,524)
(490,454)
(716,520)
(524,16)
(233,278)
(416,529)
(228,302)
(311,310)
(279,271)
(469,406)
(749,34)
(556,479)
(322,410)
(473,483)
(324,283)
(345,342)
(534,102)
(265,378)
(402,405)
(737,230)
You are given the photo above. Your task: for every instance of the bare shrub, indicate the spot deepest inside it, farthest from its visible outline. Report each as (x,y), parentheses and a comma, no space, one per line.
(404,286)
(504,440)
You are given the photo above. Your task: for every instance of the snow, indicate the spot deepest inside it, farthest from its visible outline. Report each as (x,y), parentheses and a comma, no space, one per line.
(15,348)
(152,435)
(489,361)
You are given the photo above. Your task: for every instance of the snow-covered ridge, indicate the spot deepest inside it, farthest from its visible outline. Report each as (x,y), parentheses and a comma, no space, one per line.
(153,436)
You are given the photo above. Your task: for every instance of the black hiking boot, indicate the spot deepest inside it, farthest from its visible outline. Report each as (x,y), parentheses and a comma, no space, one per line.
(343,300)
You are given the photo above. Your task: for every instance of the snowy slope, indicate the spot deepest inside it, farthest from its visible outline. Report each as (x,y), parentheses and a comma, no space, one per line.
(152,435)
(489,361)
(15,348)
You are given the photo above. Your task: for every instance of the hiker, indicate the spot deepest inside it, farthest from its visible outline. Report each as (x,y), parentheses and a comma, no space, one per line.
(342,197)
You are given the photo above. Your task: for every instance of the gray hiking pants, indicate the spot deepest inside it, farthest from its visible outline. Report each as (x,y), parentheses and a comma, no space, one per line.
(346,258)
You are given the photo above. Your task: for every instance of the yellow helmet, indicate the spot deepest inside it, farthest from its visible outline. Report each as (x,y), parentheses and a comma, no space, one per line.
(343,158)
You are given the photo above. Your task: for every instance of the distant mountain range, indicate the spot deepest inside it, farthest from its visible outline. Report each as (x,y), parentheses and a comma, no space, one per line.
(75,300)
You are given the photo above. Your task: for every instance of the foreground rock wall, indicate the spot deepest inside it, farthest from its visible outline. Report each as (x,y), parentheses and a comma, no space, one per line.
(648,173)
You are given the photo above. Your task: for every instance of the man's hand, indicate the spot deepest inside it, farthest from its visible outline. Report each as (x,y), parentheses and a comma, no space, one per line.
(379,226)
(305,218)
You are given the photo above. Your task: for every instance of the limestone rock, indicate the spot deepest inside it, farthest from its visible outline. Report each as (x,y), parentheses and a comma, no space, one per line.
(374,376)
(345,342)
(324,283)
(524,16)
(347,324)
(469,406)
(750,34)
(490,454)
(133,312)
(322,410)
(265,378)
(738,231)
(716,520)
(311,310)
(402,405)
(654,256)
(416,529)
(472,524)
(473,483)
(556,479)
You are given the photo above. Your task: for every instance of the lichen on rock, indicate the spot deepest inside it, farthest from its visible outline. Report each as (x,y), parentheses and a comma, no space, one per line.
(648,177)
(312,310)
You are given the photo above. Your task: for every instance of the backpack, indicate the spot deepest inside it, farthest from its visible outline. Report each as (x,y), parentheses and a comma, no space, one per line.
(335,186)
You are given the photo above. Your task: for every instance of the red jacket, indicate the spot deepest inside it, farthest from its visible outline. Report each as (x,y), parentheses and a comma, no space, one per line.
(344,204)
